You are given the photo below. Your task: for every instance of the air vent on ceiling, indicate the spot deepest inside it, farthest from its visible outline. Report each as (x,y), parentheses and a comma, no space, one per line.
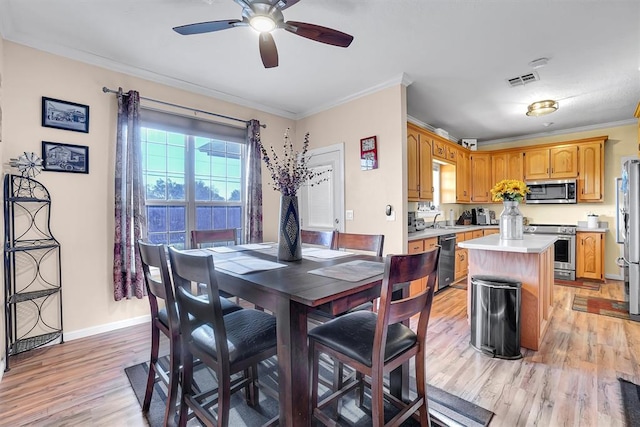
(523,79)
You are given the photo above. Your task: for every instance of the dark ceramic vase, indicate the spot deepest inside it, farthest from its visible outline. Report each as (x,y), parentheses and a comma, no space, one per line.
(289,243)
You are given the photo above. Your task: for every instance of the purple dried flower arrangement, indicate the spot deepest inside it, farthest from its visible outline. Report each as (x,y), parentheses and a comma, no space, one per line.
(291,171)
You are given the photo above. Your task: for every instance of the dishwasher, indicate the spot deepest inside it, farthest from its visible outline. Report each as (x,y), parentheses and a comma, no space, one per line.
(447,264)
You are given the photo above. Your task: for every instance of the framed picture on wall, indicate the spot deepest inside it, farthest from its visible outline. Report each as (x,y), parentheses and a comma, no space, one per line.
(58,157)
(65,115)
(369,153)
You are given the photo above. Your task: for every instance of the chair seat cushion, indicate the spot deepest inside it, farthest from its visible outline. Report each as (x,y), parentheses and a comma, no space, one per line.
(249,332)
(352,335)
(227,307)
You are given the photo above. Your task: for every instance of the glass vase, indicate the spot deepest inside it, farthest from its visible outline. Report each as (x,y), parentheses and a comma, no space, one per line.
(511,227)
(289,242)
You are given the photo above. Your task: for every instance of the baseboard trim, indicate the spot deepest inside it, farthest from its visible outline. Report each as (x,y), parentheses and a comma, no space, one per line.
(108,327)
(2,365)
(614,276)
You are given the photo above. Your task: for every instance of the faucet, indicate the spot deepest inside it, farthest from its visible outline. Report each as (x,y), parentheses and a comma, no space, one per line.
(434,220)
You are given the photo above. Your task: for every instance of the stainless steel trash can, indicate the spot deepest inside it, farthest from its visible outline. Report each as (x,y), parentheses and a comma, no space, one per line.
(495,316)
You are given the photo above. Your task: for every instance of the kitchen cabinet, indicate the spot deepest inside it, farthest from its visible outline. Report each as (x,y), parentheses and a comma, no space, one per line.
(415,247)
(489,231)
(551,163)
(591,167)
(590,255)
(463,177)
(461,257)
(419,165)
(507,165)
(481,177)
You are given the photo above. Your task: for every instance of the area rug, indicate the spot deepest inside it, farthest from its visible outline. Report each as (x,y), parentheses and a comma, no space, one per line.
(445,409)
(606,307)
(592,286)
(630,402)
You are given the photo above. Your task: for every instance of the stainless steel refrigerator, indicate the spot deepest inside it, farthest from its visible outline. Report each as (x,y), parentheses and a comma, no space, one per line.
(631,220)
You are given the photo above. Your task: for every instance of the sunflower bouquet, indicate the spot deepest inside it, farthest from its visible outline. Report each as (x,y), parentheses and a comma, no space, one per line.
(509,190)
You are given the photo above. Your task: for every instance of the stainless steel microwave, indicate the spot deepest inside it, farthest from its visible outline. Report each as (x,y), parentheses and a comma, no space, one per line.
(552,191)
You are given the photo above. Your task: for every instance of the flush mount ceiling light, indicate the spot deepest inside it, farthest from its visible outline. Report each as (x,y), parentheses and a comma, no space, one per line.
(262,24)
(541,108)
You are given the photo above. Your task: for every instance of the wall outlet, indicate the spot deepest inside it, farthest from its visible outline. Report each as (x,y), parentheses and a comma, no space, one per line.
(349,215)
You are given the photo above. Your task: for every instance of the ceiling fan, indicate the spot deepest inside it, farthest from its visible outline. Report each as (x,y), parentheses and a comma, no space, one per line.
(265,16)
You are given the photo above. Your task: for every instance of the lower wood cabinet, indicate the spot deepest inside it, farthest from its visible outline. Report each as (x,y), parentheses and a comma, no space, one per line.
(415,247)
(590,255)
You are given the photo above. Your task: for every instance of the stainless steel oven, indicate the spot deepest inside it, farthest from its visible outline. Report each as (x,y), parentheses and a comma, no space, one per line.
(564,262)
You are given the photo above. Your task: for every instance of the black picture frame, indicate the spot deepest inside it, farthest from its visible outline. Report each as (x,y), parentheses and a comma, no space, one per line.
(66,115)
(58,157)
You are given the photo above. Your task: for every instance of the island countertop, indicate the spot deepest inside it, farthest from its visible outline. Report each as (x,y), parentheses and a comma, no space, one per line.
(530,244)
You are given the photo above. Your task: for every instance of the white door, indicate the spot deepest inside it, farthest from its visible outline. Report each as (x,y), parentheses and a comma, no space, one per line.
(322,205)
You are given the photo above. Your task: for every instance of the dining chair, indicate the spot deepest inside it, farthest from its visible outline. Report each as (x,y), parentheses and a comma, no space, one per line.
(228,345)
(360,242)
(204,237)
(207,238)
(318,238)
(377,343)
(165,320)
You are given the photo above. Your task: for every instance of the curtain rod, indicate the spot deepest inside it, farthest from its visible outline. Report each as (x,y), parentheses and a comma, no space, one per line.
(107,90)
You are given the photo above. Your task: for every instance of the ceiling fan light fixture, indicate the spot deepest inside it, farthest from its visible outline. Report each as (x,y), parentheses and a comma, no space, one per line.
(262,23)
(541,108)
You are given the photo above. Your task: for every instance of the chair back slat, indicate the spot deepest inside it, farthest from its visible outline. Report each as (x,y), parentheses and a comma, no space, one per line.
(402,269)
(195,268)
(158,282)
(319,238)
(360,242)
(200,237)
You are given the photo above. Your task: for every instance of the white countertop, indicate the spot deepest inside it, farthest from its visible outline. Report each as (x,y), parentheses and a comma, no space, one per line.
(531,243)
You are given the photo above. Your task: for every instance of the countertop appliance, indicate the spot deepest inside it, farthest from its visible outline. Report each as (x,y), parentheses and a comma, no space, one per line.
(564,262)
(480,216)
(411,222)
(552,191)
(631,220)
(447,263)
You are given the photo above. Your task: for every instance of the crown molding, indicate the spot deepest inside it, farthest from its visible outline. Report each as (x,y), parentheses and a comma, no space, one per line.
(560,132)
(401,79)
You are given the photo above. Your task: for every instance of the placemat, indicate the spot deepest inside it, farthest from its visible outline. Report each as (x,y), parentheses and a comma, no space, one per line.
(239,248)
(323,253)
(246,264)
(352,271)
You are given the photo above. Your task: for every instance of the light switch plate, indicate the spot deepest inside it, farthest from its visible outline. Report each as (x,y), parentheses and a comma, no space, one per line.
(349,215)
(391,216)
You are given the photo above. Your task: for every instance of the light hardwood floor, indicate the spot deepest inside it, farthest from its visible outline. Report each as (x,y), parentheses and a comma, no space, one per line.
(570,381)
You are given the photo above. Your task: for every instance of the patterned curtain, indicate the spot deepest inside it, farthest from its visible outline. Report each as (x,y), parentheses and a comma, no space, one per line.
(253,186)
(130,224)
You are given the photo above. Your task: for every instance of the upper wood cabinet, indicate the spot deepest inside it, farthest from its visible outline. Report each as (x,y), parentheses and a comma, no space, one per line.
(507,165)
(481,177)
(463,177)
(590,255)
(591,168)
(419,168)
(439,149)
(556,162)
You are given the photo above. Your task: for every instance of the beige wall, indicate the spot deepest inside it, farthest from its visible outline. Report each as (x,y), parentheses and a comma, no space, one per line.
(82,205)
(622,142)
(382,114)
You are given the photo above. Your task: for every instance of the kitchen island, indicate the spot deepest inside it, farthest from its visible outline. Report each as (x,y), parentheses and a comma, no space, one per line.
(529,261)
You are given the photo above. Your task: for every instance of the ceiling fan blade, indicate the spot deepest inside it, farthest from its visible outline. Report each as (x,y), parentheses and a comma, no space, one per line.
(207,27)
(268,50)
(319,34)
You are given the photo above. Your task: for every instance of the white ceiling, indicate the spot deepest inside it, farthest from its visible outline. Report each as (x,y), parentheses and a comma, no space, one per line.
(457,53)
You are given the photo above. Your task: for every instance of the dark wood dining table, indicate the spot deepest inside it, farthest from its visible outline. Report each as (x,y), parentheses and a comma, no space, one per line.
(290,293)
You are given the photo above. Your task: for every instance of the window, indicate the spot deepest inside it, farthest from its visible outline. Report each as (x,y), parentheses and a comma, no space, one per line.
(193,174)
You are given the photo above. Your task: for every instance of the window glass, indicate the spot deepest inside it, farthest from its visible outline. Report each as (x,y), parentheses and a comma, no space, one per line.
(192,182)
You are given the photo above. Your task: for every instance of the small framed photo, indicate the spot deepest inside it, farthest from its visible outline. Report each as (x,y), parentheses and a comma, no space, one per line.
(58,157)
(368,153)
(65,115)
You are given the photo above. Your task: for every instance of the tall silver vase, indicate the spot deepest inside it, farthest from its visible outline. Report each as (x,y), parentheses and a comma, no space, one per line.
(289,242)
(511,222)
